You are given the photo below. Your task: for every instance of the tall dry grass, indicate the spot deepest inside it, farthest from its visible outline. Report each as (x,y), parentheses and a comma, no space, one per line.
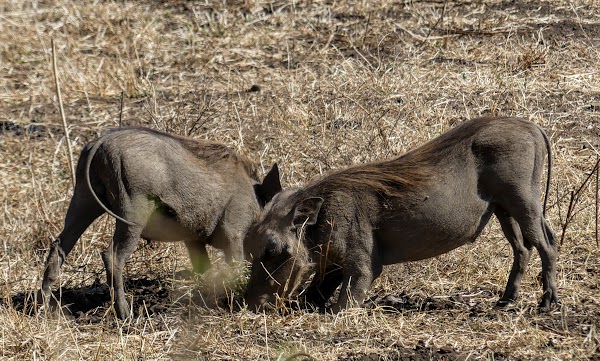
(314,85)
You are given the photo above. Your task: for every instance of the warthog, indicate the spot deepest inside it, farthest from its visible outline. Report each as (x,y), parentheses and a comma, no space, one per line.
(346,225)
(165,188)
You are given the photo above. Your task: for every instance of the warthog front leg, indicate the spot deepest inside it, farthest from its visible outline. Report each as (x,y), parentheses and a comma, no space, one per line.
(124,242)
(357,280)
(198,256)
(228,238)
(323,286)
(56,258)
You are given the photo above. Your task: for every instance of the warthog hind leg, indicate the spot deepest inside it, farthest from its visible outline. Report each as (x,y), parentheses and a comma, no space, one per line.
(549,277)
(83,210)
(537,232)
(521,254)
(124,242)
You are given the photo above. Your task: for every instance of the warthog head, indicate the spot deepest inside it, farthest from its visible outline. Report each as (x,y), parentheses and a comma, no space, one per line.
(274,243)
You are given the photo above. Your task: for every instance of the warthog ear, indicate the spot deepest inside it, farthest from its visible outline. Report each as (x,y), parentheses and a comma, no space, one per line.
(307,211)
(269,187)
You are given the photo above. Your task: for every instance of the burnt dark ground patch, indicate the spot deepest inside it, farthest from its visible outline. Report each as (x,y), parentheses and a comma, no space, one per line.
(567,29)
(420,353)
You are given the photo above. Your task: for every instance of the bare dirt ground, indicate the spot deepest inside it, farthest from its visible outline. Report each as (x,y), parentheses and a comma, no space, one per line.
(314,85)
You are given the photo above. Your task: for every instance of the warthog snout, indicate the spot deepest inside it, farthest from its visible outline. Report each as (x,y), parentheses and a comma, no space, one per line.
(278,267)
(257,303)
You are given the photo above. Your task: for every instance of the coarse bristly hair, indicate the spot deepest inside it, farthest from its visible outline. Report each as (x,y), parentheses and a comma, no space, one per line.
(411,170)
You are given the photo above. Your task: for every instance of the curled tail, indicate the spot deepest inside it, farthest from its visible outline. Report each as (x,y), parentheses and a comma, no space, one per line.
(89,182)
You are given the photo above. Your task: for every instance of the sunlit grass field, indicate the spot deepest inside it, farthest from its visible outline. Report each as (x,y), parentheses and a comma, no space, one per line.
(315,86)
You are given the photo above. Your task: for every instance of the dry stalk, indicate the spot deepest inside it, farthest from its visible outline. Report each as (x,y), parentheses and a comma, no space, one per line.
(62,114)
(596,208)
(439,20)
(266,333)
(121,110)
(574,199)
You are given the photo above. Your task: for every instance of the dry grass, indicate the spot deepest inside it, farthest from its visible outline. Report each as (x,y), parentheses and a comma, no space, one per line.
(314,86)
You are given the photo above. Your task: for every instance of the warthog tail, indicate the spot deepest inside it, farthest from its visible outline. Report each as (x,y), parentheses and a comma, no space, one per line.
(89,182)
(549,154)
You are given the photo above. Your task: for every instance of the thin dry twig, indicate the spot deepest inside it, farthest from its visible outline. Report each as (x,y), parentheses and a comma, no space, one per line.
(439,20)
(62,114)
(121,110)
(596,192)
(574,200)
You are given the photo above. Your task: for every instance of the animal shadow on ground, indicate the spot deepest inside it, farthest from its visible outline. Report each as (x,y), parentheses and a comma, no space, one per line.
(407,303)
(91,304)
(422,351)
(473,305)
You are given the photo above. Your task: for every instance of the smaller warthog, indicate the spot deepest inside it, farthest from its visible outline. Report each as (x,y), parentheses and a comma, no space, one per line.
(346,225)
(161,187)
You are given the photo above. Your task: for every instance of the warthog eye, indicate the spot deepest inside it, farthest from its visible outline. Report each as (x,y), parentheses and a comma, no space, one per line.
(273,248)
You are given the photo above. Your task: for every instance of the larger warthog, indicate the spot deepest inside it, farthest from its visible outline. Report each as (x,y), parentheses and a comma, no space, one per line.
(165,188)
(346,225)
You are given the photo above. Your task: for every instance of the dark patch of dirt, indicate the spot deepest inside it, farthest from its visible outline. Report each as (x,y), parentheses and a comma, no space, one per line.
(568,29)
(31,130)
(407,303)
(554,33)
(39,129)
(529,9)
(42,120)
(574,323)
(420,352)
(461,62)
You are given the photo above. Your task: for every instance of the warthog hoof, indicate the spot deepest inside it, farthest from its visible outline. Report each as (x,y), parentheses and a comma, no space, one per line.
(503,303)
(548,302)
